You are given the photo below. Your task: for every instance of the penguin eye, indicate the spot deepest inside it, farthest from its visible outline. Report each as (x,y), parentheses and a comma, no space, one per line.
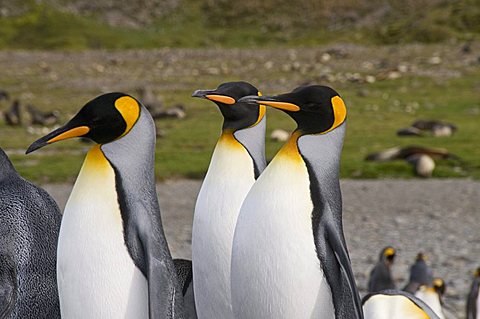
(311,106)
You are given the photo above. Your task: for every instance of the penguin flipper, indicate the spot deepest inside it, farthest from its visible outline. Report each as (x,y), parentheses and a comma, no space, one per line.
(337,245)
(185,280)
(184,273)
(164,297)
(472,300)
(8,286)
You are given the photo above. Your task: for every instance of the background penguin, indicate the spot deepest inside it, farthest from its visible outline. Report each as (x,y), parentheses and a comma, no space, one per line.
(420,274)
(395,304)
(238,159)
(289,255)
(29,226)
(473,300)
(380,276)
(113,259)
(432,296)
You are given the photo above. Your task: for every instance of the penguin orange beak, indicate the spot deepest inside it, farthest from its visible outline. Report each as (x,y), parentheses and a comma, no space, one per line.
(271,101)
(65,132)
(213,96)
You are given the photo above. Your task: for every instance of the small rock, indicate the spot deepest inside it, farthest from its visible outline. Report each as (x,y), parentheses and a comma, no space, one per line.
(279,135)
(370,79)
(393,75)
(435,60)
(325,57)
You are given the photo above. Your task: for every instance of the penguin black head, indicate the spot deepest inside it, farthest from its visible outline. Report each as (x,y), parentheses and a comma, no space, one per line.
(421,257)
(388,254)
(316,109)
(237,115)
(103,120)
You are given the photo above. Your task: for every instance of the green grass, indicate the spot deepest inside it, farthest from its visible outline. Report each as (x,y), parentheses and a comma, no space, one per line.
(186,149)
(228,24)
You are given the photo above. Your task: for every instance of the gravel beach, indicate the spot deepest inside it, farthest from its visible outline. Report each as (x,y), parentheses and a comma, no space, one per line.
(437,217)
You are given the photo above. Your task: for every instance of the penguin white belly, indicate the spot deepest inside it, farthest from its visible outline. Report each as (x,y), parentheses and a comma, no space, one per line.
(229,178)
(275,269)
(430,297)
(392,307)
(96,275)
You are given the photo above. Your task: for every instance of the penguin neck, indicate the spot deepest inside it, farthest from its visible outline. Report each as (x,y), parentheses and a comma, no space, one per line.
(321,154)
(252,139)
(133,157)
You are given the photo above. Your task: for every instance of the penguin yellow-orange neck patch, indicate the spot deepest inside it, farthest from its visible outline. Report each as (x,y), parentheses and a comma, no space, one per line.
(130,110)
(227,139)
(339,112)
(389,251)
(96,160)
(290,149)
(262,109)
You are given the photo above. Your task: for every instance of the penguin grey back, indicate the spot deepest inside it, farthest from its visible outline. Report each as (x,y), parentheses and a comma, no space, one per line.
(132,158)
(253,139)
(29,228)
(380,275)
(420,274)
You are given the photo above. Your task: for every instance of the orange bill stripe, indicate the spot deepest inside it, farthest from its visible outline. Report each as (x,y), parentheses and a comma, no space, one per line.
(281,105)
(221,98)
(74,132)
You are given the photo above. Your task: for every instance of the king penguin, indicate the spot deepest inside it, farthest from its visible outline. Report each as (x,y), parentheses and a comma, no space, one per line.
(381,276)
(238,159)
(29,227)
(289,256)
(420,274)
(432,296)
(395,304)
(473,301)
(113,258)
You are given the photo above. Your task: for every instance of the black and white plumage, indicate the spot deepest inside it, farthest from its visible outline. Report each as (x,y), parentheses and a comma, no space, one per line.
(237,160)
(29,227)
(289,257)
(113,258)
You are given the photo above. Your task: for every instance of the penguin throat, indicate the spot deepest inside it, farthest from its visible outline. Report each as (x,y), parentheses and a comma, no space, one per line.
(227,139)
(290,149)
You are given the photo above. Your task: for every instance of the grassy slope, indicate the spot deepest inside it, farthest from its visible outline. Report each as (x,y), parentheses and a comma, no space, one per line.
(221,23)
(202,25)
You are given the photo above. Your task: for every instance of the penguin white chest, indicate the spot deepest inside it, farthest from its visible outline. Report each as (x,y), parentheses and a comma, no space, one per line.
(275,269)
(431,298)
(96,275)
(229,178)
(392,307)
